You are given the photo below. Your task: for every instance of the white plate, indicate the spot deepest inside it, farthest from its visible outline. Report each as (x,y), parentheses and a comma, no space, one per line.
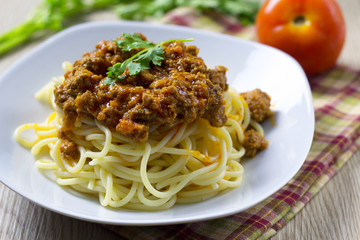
(250,65)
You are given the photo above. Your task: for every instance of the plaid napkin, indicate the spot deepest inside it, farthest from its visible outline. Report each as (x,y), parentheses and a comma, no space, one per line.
(336,96)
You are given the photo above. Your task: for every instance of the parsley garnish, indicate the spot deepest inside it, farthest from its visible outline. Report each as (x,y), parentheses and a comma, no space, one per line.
(140,61)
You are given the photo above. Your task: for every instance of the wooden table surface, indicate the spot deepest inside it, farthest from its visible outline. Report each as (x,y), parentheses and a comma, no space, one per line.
(334,213)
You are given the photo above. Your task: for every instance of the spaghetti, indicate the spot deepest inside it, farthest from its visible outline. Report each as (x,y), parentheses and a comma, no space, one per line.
(185,163)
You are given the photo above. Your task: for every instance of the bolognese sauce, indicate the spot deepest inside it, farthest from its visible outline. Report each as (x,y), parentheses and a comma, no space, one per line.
(181,90)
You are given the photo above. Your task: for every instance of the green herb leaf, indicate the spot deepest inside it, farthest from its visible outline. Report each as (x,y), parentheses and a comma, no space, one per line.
(127,42)
(154,55)
(116,70)
(134,68)
(140,61)
(109,81)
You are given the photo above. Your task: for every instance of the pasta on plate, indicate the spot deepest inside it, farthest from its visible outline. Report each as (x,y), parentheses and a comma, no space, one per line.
(184,145)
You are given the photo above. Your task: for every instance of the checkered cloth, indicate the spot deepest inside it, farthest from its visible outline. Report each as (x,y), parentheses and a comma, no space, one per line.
(336,96)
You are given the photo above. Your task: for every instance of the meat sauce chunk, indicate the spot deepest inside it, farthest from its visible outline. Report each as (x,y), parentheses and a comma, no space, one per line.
(259,104)
(254,143)
(181,90)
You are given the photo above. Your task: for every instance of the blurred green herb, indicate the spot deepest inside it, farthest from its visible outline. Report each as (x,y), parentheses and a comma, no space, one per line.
(49,15)
(140,61)
(244,10)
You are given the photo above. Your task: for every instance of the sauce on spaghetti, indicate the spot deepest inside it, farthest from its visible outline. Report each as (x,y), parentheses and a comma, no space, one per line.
(181,90)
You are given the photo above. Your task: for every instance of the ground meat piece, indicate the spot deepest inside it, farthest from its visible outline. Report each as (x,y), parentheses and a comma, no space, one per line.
(97,65)
(69,150)
(254,143)
(181,90)
(216,76)
(259,104)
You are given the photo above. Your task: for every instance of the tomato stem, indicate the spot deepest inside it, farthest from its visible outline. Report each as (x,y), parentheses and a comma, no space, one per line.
(299,20)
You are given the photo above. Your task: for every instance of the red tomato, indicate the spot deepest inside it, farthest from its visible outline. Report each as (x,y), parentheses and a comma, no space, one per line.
(312,31)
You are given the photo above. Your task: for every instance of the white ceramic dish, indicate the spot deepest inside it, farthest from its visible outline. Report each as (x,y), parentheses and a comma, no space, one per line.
(250,65)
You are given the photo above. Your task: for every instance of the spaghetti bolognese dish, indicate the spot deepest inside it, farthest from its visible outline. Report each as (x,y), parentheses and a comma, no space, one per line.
(145,126)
